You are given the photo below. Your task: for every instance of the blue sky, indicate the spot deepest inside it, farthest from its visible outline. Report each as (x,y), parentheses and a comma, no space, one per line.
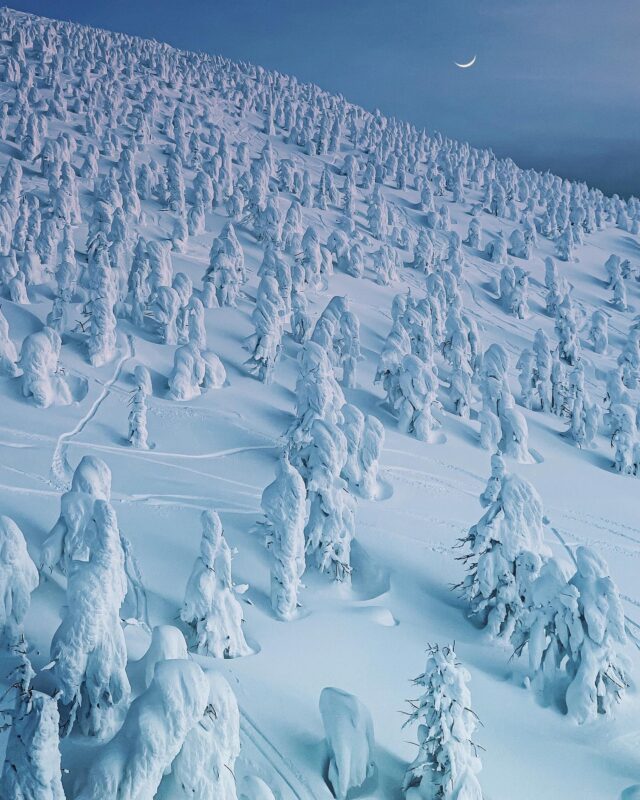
(556,84)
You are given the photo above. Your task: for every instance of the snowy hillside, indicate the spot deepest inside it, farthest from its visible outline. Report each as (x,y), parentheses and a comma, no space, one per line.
(214,278)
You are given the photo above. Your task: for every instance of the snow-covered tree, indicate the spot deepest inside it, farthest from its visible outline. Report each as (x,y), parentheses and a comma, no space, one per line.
(417,385)
(18,578)
(349,347)
(210,606)
(205,766)
(268,318)
(599,331)
(575,635)
(284,506)
(88,648)
(8,352)
(504,553)
(318,396)
(188,374)
(447,764)
(330,526)
(350,740)
(138,434)
(132,764)
(41,377)
(623,436)
(32,761)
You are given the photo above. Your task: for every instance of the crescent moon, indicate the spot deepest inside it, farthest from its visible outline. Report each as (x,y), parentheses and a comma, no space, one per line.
(468,64)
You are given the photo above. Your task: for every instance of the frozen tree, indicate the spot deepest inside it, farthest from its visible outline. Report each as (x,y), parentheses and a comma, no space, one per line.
(163,310)
(370,449)
(527,377)
(284,506)
(268,318)
(32,761)
(204,767)
(18,578)
(348,729)
(300,318)
(515,432)
(352,426)
(138,435)
(396,346)
(417,399)
(567,330)
(474,235)
(565,245)
(384,265)
(8,352)
(132,764)
(613,270)
(623,436)
(502,546)
(188,373)
(493,377)
(88,648)
(460,392)
(210,606)
(318,396)
(619,290)
(101,344)
(423,254)
(584,415)
(496,250)
(41,377)
(575,634)
(331,523)
(559,385)
(629,359)
(599,331)
(349,347)
(447,763)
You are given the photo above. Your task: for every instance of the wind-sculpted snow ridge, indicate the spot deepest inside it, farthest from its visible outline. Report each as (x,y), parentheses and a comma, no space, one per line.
(305,340)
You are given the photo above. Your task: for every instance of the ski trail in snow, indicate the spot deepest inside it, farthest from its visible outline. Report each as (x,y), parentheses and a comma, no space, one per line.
(60,469)
(284,768)
(153,454)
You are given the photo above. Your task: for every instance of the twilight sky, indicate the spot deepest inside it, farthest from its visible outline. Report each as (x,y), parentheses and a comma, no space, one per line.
(556,84)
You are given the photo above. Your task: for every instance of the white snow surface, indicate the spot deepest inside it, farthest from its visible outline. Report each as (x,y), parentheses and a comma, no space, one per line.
(217,450)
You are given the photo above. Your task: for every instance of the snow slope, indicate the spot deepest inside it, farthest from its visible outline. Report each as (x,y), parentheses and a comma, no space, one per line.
(219,451)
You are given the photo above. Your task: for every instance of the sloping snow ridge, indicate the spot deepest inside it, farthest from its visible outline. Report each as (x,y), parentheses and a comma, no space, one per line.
(296,397)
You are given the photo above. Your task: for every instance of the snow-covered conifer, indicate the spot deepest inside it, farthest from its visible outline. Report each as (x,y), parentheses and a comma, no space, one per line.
(211,607)
(447,763)
(599,331)
(88,648)
(512,526)
(132,764)
(417,400)
(205,766)
(18,578)
(331,524)
(32,761)
(350,741)
(41,376)
(284,506)
(268,318)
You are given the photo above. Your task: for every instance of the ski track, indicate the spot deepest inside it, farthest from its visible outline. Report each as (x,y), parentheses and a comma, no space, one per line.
(59,464)
(287,772)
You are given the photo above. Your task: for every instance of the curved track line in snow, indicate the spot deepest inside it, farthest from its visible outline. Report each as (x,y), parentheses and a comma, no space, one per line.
(291,777)
(152,454)
(59,465)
